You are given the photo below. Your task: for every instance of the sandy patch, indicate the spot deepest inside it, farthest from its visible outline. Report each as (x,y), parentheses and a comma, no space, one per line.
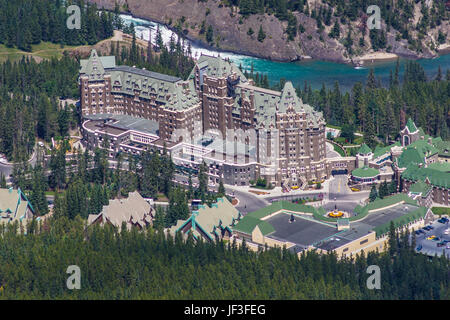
(376,56)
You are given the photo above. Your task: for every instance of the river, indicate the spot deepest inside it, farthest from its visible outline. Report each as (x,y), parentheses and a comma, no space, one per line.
(314,72)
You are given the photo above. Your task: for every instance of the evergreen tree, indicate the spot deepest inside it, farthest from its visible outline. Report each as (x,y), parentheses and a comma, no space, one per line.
(261,34)
(373,193)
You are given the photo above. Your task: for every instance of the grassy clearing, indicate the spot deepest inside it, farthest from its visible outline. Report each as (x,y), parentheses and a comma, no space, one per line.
(44,50)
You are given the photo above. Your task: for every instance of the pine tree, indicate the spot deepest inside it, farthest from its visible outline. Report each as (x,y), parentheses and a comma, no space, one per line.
(221,190)
(335,31)
(261,34)
(373,193)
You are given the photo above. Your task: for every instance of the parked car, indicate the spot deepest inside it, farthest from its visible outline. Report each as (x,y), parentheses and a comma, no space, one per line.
(441,244)
(419,247)
(436,239)
(431,237)
(443,220)
(447,231)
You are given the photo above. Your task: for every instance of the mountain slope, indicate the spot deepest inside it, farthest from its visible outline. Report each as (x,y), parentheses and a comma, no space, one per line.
(330,30)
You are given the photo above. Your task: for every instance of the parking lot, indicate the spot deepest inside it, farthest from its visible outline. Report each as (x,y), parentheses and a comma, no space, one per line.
(430,247)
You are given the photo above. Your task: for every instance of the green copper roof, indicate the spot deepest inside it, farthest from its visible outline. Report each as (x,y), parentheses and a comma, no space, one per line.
(265,227)
(253,219)
(436,177)
(411,125)
(440,166)
(443,147)
(410,156)
(364,149)
(401,221)
(379,151)
(365,172)
(424,147)
(420,187)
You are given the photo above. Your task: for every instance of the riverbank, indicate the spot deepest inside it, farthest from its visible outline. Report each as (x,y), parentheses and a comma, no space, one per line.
(370,58)
(444,49)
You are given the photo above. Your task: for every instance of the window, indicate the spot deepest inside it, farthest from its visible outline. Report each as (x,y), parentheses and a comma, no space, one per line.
(364,241)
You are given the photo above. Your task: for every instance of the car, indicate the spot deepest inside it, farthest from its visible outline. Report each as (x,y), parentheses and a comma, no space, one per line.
(436,239)
(441,244)
(418,232)
(447,231)
(448,246)
(431,237)
(419,247)
(443,220)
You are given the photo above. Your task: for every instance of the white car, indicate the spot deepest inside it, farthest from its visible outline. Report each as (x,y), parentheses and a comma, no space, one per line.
(447,231)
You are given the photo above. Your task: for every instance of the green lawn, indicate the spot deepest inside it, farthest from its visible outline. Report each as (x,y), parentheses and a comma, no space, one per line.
(44,50)
(357,141)
(441,210)
(339,150)
(334,127)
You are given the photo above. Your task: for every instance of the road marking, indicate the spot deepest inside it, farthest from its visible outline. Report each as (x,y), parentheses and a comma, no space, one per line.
(339,186)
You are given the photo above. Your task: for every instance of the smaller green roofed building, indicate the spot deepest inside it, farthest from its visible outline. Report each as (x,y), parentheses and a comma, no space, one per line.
(365,149)
(14,206)
(365,175)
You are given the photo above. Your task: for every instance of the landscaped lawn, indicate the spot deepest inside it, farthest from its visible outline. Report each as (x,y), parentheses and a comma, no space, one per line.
(339,150)
(441,210)
(333,127)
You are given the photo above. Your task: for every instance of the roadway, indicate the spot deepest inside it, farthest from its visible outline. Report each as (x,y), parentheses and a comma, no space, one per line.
(6,168)
(248,202)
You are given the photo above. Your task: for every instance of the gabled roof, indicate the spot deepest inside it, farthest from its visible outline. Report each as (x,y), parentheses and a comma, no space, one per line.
(364,149)
(13,204)
(435,177)
(411,126)
(217,67)
(410,156)
(134,209)
(220,215)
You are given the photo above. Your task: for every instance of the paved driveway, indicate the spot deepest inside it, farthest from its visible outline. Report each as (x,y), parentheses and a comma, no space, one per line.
(429,247)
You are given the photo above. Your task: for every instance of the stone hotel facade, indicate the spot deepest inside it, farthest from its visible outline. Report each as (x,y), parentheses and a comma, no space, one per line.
(286,136)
